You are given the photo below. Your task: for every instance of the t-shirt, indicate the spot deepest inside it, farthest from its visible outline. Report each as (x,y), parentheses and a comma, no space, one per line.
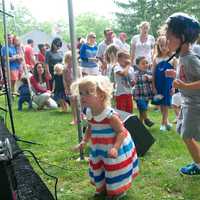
(189,71)
(196,49)
(101,49)
(143,49)
(41,57)
(123,83)
(24,90)
(12,51)
(53,58)
(37,87)
(121,45)
(28,53)
(87,52)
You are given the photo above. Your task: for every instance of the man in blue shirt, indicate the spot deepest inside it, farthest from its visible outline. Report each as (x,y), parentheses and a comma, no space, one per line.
(14,61)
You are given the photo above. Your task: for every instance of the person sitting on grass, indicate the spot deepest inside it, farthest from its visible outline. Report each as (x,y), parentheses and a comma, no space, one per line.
(182,31)
(24,94)
(113,160)
(39,83)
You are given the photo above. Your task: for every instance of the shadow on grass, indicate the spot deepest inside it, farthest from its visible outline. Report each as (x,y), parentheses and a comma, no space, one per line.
(59,113)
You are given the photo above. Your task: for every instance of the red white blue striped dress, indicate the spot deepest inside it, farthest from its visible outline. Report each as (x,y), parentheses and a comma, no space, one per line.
(113,174)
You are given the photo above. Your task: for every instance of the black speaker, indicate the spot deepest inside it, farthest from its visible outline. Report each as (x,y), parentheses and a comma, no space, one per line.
(5,191)
(141,136)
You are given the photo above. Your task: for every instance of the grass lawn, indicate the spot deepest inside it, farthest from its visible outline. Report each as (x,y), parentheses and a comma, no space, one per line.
(159,178)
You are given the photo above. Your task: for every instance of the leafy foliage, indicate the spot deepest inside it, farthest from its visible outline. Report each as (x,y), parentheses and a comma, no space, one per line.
(24,22)
(154,11)
(90,22)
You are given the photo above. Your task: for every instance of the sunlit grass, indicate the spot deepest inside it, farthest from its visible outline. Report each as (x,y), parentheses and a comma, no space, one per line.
(159,177)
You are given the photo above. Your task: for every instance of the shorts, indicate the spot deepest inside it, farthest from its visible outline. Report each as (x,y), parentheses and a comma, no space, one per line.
(124,102)
(142,105)
(177,99)
(14,75)
(188,125)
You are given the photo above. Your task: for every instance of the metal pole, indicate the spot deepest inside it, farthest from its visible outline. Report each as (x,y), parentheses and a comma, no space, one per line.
(7,51)
(12,8)
(6,13)
(75,73)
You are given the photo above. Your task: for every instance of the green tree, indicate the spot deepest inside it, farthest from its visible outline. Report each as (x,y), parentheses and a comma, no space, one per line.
(90,22)
(23,22)
(154,11)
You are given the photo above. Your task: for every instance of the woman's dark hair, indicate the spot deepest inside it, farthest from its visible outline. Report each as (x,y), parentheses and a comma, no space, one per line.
(35,72)
(40,46)
(30,41)
(56,42)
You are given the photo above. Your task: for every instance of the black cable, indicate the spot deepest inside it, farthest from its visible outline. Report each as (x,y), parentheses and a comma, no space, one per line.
(51,165)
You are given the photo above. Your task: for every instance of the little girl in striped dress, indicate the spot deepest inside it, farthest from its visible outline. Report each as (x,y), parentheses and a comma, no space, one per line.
(113,162)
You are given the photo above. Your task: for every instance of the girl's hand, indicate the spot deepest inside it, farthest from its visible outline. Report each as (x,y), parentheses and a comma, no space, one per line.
(79,147)
(179,84)
(113,152)
(171,73)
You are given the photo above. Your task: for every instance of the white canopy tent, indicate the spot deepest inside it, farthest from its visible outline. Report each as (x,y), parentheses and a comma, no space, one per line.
(40,37)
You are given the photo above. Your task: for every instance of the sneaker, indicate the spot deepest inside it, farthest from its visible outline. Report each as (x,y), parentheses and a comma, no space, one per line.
(163,128)
(148,122)
(190,170)
(169,126)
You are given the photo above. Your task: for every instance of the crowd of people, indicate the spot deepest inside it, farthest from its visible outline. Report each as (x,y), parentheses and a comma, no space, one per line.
(116,73)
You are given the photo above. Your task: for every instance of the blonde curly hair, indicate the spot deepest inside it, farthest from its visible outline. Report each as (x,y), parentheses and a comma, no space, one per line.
(100,83)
